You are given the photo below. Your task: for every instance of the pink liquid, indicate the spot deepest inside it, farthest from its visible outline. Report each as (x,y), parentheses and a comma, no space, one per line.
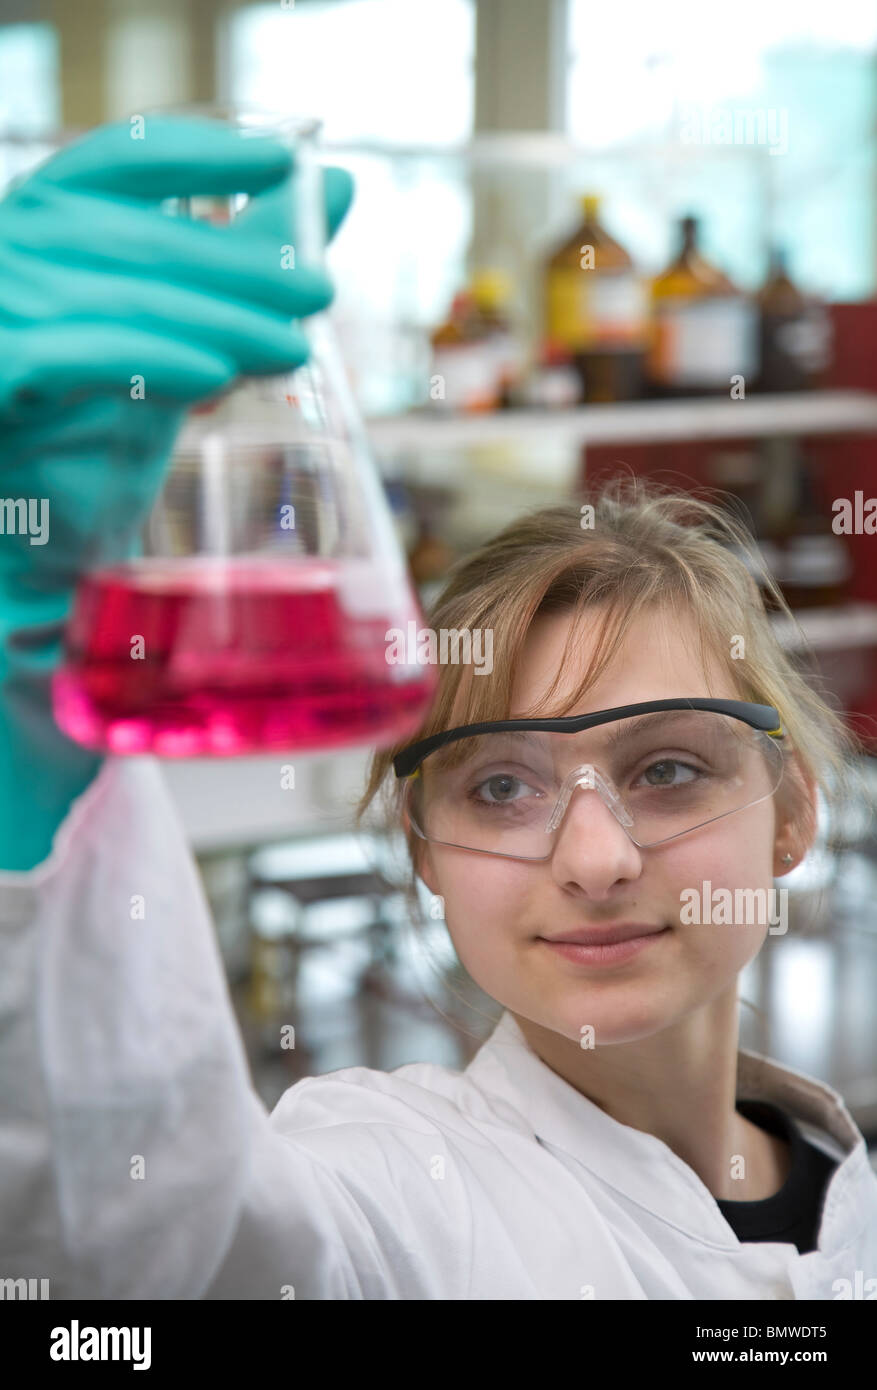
(259,657)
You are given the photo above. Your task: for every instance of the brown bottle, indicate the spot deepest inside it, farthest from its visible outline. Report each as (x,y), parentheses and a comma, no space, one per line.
(794,333)
(596,309)
(703,332)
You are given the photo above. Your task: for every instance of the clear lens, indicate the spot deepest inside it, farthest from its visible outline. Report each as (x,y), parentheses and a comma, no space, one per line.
(659,774)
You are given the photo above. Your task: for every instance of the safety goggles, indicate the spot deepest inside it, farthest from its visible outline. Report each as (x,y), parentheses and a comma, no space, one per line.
(662,767)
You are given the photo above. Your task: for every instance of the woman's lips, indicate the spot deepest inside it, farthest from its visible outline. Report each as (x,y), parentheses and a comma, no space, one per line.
(604,951)
(606,936)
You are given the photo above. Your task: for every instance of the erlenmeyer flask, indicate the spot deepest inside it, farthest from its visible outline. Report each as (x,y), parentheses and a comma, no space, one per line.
(257,616)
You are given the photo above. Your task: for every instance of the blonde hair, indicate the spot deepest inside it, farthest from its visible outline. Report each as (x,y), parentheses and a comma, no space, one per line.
(649,545)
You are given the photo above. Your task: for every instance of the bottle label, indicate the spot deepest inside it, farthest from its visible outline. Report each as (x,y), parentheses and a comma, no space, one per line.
(586,311)
(468,378)
(556,385)
(703,342)
(806,339)
(618,310)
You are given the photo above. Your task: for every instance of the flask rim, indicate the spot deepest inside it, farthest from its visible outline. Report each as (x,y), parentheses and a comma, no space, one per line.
(247,117)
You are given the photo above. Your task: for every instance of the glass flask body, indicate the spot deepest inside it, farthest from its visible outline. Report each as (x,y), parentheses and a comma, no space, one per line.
(259,611)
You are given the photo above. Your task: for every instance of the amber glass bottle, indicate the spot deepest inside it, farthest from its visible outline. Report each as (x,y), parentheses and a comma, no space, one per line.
(703,337)
(794,333)
(596,309)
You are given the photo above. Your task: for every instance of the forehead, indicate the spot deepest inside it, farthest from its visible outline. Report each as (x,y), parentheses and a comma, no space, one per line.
(659,658)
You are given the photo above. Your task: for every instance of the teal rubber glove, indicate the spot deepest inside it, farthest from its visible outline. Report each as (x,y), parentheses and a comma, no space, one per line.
(97,286)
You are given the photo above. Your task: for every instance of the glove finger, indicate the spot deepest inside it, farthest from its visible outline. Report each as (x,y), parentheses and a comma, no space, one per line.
(59,227)
(273,214)
(55,361)
(257,340)
(168,157)
(273,219)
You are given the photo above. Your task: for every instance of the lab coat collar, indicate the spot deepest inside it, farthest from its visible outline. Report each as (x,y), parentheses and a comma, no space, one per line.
(645,1169)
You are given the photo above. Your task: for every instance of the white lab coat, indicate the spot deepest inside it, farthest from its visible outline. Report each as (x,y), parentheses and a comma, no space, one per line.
(137,1161)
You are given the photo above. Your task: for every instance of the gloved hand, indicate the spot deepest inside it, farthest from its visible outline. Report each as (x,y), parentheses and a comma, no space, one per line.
(98,286)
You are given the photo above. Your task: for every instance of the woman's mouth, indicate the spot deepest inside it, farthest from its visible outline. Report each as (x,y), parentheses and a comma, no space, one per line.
(606,946)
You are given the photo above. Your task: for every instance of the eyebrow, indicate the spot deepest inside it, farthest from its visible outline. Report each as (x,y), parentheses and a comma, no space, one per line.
(645,721)
(634,726)
(532,736)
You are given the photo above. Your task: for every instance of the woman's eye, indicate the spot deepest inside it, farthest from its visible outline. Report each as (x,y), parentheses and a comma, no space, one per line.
(501,788)
(661,774)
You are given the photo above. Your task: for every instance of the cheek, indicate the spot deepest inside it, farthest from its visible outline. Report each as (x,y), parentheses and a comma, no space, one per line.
(484,895)
(724,855)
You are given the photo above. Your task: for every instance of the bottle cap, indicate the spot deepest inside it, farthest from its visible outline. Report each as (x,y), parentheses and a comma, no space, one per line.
(490,288)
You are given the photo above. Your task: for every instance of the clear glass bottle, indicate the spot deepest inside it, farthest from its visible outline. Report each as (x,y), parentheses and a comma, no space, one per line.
(271,571)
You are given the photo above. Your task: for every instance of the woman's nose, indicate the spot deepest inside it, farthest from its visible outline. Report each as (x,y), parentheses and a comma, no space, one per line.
(592,849)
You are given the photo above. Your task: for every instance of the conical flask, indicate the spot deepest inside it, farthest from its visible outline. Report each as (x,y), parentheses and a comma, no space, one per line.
(261,611)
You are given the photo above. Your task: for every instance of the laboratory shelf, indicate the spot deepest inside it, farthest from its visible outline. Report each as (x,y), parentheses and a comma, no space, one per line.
(635,422)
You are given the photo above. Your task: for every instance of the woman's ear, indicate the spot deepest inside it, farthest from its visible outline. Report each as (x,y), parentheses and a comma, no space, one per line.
(797,802)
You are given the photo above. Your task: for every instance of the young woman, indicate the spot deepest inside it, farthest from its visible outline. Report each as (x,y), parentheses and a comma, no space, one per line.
(609,1140)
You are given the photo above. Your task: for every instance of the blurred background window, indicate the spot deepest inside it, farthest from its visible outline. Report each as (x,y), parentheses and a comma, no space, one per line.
(30,106)
(416,86)
(404,246)
(777,106)
(29,101)
(148,58)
